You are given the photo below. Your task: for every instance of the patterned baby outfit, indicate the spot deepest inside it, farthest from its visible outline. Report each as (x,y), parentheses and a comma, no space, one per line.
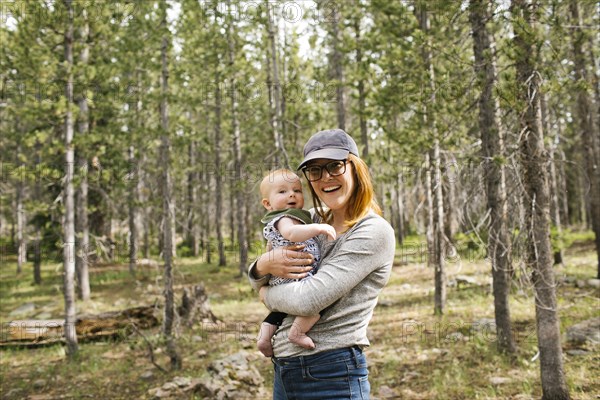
(271,233)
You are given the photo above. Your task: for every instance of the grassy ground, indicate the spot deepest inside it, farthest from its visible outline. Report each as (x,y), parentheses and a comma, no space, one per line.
(414,355)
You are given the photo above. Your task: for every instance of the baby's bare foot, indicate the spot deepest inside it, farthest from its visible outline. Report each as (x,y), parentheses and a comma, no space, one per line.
(302,340)
(265,347)
(263,341)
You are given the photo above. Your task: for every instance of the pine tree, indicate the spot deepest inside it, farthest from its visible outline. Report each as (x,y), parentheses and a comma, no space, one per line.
(536,198)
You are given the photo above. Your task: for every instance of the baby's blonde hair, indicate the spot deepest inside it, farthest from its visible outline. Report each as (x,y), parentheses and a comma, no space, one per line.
(264,184)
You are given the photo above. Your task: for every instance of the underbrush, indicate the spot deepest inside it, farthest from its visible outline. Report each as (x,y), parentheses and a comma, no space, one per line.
(414,354)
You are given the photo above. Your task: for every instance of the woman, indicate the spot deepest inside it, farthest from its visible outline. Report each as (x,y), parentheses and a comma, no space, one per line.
(354,268)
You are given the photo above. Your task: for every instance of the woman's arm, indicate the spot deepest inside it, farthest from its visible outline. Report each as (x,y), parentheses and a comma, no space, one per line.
(368,247)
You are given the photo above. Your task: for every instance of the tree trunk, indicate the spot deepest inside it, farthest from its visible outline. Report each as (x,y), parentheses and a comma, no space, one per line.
(37,249)
(536,196)
(430,211)
(145,210)
(449,191)
(275,88)
(596,86)
(361,92)
(232,233)
(586,125)
(192,195)
(168,216)
(206,183)
(195,306)
(562,179)
(68,196)
(82,226)
(554,191)
(438,234)
(240,206)
(133,210)
(20,192)
(218,175)
(338,66)
(492,141)
(282,59)
(397,207)
(436,181)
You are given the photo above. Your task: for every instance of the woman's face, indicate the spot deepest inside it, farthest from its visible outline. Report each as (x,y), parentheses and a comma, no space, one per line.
(334,191)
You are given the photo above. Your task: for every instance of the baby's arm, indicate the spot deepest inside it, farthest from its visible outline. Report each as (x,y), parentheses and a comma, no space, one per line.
(295,231)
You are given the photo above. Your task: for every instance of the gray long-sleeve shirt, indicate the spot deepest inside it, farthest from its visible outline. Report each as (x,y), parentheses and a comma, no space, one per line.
(353,270)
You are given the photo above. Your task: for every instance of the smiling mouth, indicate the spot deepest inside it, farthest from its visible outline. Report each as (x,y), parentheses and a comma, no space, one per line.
(330,189)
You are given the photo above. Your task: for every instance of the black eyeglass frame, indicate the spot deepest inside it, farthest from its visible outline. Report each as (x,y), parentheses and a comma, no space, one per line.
(329,166)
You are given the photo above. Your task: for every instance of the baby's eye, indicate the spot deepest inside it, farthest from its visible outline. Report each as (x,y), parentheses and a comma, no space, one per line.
(282,191)
(298,191)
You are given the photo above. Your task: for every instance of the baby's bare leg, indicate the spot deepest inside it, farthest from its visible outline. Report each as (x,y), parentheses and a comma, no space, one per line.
(263,342)
(299,328)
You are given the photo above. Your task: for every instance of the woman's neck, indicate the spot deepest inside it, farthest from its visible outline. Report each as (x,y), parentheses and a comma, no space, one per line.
(338,221)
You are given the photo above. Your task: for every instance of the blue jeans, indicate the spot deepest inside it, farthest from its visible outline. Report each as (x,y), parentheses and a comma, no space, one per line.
(335,374)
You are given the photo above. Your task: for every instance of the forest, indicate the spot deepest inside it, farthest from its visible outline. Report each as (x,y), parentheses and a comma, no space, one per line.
(135,134)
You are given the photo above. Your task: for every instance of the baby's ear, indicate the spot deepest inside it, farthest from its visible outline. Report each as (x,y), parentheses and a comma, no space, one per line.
(266,204)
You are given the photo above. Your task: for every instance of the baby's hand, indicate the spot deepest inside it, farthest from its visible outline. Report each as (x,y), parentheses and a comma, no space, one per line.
(328,230)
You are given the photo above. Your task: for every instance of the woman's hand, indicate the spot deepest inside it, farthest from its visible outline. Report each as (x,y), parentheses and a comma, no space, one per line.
(285,262)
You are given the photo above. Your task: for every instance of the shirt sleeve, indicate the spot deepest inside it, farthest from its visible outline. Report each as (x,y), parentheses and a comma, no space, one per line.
(256,282)
(369,247)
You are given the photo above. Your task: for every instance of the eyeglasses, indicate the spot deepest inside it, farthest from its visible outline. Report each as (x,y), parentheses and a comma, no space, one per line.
(334,168)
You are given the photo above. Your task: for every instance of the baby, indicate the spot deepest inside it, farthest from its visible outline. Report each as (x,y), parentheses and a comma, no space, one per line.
(286,224)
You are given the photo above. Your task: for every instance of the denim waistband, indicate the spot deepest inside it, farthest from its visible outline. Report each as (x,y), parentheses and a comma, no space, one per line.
(327,356)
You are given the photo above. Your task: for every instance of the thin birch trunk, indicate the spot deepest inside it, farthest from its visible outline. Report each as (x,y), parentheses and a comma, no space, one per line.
(81,221)
(68,196)
(20,210)
(535,180)
(136,199)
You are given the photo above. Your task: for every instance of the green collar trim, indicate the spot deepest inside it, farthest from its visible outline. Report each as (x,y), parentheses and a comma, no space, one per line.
(302,215)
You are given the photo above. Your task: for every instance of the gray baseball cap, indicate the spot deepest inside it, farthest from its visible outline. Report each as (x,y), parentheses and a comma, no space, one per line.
(334,144)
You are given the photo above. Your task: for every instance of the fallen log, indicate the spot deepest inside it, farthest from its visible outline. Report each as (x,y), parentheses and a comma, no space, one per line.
(33,333)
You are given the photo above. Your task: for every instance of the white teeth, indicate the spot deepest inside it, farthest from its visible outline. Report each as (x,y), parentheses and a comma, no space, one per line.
(331,189)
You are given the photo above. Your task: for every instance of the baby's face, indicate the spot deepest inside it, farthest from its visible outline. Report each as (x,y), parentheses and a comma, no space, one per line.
(285,192)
